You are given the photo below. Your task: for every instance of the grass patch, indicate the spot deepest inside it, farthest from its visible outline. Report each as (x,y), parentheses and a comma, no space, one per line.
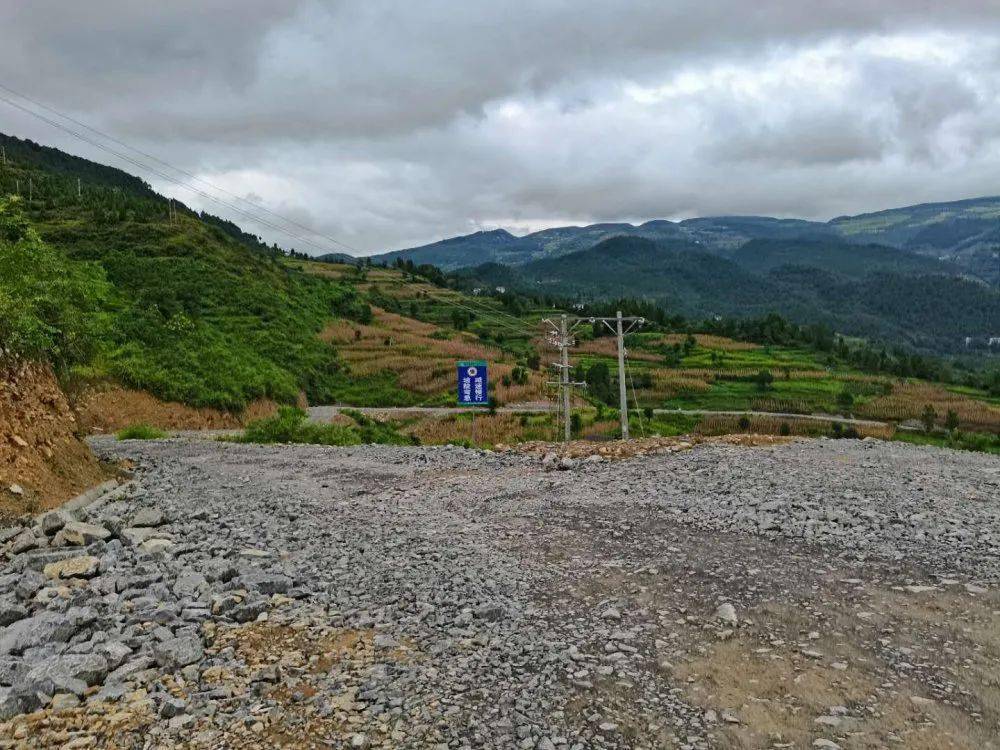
(290,425)
(140,431)
(665,425)
(980,442)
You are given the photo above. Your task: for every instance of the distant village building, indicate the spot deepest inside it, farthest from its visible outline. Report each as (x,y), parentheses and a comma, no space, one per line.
(501,290)
(477,290)
(979,342)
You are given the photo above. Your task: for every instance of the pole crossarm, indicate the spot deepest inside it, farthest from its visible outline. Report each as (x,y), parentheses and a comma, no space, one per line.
(560,338)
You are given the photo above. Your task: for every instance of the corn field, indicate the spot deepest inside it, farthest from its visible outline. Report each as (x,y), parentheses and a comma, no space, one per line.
(423,361)
(907,401)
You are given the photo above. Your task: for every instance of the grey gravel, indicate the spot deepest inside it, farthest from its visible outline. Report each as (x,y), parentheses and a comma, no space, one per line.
(506,605)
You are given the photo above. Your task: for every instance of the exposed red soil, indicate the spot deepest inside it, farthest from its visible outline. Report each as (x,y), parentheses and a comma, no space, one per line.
(41,453)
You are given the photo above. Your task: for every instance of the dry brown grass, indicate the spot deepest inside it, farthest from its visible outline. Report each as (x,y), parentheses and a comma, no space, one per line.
(722,424)
(107,409)
(608,347)
(489,429)
(707,341)
(908,400)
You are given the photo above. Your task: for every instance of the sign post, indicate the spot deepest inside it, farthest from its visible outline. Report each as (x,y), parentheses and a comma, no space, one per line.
(473,387)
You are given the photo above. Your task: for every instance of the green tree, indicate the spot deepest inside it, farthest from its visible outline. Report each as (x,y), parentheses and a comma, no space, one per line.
(599,382)
(50,307)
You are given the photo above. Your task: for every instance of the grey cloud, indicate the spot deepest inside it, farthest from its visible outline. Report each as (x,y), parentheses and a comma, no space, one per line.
(389,123)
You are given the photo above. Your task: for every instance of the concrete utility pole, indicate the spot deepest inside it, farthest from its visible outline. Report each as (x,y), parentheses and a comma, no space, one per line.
(620,331)
(564,361)
(622,395)
(79,190)
(560,337)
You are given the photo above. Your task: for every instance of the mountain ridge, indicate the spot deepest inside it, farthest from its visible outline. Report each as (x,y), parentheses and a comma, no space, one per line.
(965,231)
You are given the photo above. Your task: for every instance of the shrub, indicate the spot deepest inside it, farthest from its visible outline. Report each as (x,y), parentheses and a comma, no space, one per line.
(575,423)
(928,417)
(743,423)
(290,425)
(140,431)
(951,420)
(764,379)
(785,429)
(50,307)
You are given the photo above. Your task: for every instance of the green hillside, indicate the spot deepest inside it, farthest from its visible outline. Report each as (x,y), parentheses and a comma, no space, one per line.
(889,295)
(103,279)
(189,308)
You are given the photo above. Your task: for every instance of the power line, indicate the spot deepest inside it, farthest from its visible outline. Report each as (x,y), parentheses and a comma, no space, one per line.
(169,178)
(521,328)
(184,172)
(635,397)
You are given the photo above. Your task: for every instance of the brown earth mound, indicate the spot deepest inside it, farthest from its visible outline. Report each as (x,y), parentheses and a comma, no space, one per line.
(619,449)
(111,408)
(42,460)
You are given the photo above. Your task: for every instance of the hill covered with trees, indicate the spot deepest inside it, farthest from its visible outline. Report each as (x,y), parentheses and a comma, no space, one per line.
(876,292)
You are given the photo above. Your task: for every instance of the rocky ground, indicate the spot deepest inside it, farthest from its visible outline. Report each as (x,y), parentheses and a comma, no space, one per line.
(811,594)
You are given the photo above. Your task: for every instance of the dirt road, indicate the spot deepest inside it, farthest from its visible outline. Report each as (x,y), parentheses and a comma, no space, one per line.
(818,594)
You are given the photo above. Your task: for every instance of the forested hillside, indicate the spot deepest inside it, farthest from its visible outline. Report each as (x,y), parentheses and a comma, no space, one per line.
(187,307)
(889,295)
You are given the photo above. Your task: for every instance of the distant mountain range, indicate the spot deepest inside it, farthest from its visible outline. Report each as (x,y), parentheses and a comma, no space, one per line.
(965,233)
(922,275)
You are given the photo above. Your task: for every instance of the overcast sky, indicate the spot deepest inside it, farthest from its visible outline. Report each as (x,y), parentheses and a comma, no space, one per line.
(389,124)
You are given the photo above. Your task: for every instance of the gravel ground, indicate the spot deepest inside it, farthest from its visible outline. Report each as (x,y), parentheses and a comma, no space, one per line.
(816,594)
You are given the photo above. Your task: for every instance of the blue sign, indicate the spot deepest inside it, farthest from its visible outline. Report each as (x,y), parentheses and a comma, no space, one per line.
(473,385)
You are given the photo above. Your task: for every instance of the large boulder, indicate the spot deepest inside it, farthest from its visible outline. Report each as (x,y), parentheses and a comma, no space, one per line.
(68,673)
(23,542)
(80,533)
(266,582)
(175,653)
(148,517)
(54,521)
(84,566)
(46,627)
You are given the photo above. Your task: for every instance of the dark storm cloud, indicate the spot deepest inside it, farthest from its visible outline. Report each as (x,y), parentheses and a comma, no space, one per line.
(387,123)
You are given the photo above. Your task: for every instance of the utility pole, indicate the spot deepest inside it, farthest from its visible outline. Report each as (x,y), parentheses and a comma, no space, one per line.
(622,395)
(3,154)
(564,361)
(620,331)
(561,339)
(79,191)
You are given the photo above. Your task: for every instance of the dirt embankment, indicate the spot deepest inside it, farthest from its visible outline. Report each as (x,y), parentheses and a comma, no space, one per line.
(43,462)
(111,408)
